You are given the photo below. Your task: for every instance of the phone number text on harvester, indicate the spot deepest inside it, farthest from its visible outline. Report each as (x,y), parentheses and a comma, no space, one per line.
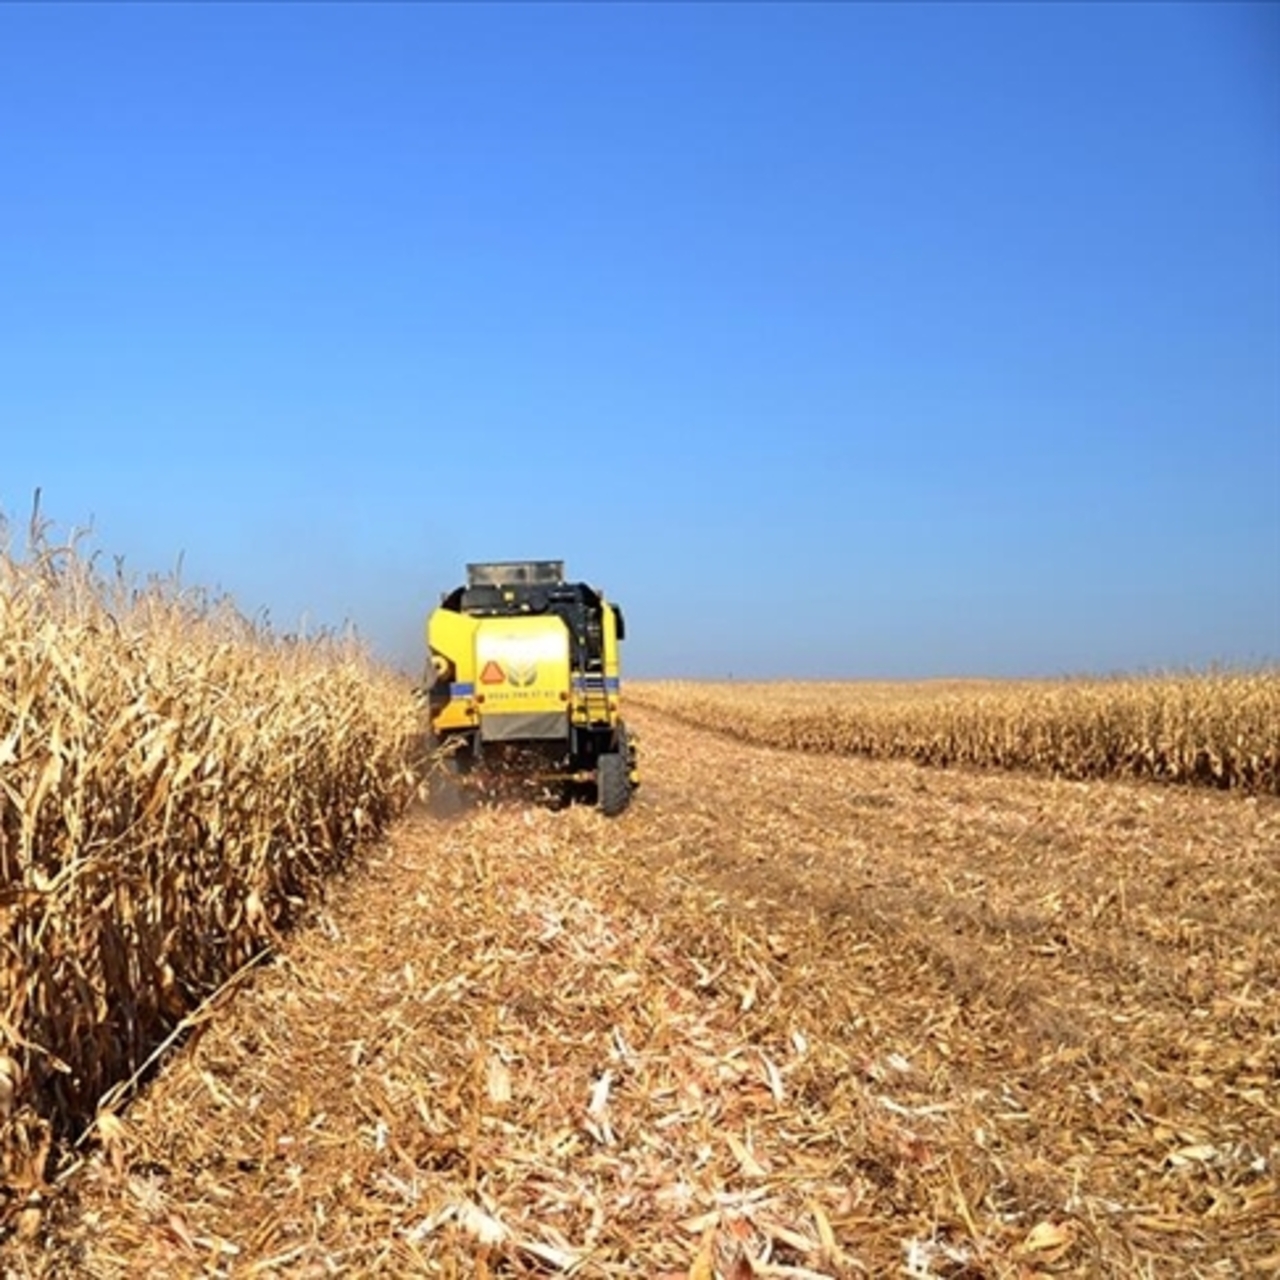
(518,695)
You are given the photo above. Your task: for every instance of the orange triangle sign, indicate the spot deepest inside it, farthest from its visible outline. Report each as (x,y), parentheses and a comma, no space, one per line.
(492,674)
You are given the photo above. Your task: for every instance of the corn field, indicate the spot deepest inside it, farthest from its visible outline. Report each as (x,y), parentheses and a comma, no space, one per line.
(1216,729)
(791,1015)
(174,781)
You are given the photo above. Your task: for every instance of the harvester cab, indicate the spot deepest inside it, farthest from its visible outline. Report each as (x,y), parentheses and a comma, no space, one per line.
(524,684)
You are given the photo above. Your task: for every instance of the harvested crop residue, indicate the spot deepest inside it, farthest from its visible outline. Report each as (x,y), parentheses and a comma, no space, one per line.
(789,1016)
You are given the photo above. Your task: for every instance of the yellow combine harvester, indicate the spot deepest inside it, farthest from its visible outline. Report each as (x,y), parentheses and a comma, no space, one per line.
(524,685)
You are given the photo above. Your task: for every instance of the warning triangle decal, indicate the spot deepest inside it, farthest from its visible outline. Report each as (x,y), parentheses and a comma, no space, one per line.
(492,674)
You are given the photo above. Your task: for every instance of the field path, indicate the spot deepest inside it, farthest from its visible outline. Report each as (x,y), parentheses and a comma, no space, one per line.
(790,1015)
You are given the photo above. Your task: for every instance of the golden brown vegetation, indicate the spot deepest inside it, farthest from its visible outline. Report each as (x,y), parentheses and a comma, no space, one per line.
(173,780)
(792,1017)
(1218,730)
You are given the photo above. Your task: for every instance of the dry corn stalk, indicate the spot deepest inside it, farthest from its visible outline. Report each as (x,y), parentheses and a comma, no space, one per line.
(174,779)
(1212,729)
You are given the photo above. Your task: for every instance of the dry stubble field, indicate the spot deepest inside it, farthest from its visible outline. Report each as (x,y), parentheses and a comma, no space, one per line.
(792,1015)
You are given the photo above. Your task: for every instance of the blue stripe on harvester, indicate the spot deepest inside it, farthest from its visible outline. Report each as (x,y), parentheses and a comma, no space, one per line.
(461,690)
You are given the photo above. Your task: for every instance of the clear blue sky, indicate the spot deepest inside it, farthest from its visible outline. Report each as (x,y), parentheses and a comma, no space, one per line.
(838,340)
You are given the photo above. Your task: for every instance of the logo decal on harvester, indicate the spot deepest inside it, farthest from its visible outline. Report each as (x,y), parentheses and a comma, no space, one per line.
(492,674)
(522,674)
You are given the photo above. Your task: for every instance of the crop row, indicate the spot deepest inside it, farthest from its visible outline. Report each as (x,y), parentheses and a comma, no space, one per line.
(1212,729)
(174,782)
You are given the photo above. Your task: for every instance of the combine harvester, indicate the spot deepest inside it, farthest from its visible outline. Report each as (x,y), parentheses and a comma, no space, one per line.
(524,686)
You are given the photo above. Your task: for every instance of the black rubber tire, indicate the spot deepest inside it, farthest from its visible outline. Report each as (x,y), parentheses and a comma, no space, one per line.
(613,783)
(444,795)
